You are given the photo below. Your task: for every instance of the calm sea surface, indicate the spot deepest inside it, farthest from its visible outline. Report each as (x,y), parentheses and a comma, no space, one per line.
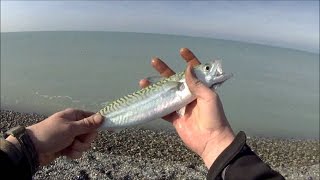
(274,91)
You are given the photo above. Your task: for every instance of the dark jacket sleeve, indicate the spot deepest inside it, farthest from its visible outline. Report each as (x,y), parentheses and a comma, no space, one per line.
(13,165)
(238,161)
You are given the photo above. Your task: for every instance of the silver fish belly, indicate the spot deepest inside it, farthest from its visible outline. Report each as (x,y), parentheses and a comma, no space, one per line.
(157,100)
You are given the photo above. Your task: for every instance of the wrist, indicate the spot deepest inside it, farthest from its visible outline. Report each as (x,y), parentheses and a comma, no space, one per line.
(44,157)
(34,140)
(14,141)
(30,131)
(217,145)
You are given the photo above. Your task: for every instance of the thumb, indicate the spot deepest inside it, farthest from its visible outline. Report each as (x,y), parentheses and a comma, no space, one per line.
(88,124)
(195,86)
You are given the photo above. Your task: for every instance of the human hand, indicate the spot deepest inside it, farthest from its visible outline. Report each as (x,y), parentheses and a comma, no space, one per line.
(204,127)
(68,132)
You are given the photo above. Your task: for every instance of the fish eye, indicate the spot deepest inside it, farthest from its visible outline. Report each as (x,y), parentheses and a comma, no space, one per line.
(207,67)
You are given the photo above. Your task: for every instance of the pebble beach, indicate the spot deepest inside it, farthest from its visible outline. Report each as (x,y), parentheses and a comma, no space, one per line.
(159,154)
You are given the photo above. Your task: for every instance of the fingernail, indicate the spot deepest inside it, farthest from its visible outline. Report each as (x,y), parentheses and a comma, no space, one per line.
(182,49)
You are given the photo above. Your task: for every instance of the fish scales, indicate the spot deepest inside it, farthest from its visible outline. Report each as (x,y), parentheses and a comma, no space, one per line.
(154,101)
(139,95)
(135,105)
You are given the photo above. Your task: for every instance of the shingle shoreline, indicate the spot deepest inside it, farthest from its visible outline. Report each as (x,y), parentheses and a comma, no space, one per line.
(157,154)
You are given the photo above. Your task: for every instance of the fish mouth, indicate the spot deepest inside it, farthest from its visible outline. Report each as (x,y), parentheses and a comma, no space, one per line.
(221,78)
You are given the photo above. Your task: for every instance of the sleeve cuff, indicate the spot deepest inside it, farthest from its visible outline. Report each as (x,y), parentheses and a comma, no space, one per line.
(17,163)
(238,145)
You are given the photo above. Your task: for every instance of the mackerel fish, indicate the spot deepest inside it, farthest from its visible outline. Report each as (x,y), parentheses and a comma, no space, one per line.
(160,98)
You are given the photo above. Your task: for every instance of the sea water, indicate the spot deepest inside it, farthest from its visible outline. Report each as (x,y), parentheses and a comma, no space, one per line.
(274,91)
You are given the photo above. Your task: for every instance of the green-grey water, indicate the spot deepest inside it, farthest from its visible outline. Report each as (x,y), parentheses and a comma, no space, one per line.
(274,91)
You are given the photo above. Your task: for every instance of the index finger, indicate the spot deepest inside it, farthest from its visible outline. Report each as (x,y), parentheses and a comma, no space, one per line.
(74,114)
(162,68)
(189,57)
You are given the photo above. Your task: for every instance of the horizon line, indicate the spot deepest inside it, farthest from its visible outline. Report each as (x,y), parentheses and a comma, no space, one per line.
(314,51)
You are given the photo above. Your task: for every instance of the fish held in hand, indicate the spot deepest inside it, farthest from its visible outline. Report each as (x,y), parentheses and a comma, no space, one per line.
(160,98)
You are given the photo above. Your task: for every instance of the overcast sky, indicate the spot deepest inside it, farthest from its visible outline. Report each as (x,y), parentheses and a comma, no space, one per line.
(293,24)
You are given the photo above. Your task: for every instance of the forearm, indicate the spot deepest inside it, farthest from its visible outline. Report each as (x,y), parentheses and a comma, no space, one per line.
(238,161)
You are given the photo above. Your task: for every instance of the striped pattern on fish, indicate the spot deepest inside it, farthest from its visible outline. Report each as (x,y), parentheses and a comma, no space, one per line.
(159,99)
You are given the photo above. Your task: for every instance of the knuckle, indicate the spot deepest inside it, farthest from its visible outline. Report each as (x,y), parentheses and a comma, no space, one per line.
(69,110)
(167,72)
(71,127)
(87,122)
(197,82)
(59,114)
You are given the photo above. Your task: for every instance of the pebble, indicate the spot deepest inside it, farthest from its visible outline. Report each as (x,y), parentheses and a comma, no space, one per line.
(158,154)
(83,175)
